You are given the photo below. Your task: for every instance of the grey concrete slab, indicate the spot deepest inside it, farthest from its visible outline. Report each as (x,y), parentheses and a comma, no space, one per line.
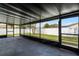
(19,46)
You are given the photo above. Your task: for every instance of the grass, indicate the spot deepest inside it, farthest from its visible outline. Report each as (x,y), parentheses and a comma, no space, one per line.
(10,35)
(3,35)
(65,40)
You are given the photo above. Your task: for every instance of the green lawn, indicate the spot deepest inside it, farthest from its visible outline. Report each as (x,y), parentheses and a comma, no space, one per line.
(10,35)
(2,35)
(66,40)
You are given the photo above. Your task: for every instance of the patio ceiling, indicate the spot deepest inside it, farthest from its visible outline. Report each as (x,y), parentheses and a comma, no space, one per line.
(33,12)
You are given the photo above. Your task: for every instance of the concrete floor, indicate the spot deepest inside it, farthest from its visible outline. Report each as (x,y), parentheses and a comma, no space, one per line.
(19,46)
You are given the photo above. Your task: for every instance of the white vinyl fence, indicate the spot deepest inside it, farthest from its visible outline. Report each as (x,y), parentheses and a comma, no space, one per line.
(3,31)
(49,31)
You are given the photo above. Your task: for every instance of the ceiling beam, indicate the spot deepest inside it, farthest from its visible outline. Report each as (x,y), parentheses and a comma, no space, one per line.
(20,11)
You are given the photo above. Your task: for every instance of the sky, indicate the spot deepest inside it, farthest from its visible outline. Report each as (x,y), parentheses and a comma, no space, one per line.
(66,21)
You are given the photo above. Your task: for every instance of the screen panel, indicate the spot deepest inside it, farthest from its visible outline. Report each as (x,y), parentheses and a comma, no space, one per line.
(3,18)
(49,30)
(17,20)
(10,30)
(70,32)
(35,30)
(2,29)
(16,30)
(10,20)
(27,29)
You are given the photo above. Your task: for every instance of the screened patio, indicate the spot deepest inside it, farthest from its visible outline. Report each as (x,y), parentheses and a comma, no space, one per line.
(25,27)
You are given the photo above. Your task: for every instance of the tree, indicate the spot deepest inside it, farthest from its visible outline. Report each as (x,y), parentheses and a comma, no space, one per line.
(50,26)
(46,25)
(53,25)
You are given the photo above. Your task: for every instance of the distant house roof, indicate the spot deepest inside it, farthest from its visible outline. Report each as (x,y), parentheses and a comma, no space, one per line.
(70,25)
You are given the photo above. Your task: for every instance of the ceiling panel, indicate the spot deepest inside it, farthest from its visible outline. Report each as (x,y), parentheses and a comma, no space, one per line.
(51,10)
(33,12)
(66,8)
